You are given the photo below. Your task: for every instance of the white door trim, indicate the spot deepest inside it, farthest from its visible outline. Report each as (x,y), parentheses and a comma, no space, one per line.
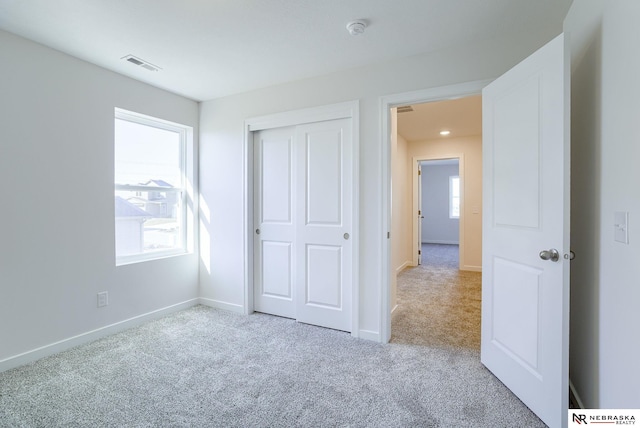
(350,109)
(386,103)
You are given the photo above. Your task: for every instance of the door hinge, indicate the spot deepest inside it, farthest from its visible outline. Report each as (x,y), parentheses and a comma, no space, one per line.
(388,235)
(419,252)
(419,212)
(419,172)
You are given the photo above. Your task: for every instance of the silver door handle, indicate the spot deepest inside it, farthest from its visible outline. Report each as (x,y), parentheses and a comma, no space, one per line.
(346,236)
(551,254)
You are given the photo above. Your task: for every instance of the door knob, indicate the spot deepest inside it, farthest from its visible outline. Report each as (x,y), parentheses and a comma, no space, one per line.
(346,236)
(551,254)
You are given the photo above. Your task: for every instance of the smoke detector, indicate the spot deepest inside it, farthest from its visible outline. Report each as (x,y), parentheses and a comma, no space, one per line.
(356,27)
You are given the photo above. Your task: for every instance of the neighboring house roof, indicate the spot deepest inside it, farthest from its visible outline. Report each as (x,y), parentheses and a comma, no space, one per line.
(158,183)
(125,208)
(137,201)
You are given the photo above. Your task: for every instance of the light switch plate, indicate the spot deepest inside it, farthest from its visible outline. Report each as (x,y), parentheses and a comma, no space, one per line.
(621,226)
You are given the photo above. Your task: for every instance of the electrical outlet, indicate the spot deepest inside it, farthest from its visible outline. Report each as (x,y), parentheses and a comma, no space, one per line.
(103,299)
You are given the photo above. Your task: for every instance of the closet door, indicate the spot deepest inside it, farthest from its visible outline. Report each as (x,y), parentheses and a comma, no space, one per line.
(274,222)
(302,216)
(323,224)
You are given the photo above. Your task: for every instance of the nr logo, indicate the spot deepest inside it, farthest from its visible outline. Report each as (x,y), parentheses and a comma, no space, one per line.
(580,419)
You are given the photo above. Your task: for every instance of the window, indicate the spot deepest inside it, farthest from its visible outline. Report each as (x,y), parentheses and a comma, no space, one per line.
(150,187)
(454,196)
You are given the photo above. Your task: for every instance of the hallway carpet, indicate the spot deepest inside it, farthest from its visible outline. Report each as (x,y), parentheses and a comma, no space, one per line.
(438,305)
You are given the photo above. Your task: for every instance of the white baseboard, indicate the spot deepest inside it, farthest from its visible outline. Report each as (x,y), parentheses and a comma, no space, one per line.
(472,268)
(90,336)
(231,307)
(394,313)
(403,266)
(575,394)
(436,241)
(369,335)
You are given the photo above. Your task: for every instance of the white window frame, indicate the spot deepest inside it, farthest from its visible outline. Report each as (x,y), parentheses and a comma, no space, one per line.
(451,197)
(186,152)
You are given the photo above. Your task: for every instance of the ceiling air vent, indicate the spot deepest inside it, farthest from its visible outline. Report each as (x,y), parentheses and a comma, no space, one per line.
(405,109)
(141,63)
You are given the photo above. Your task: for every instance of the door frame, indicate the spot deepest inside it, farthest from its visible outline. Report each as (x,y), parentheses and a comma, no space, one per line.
(346,110)
(417,160)
(441,93)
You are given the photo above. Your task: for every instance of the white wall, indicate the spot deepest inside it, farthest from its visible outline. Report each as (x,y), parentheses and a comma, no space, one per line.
(222,165)
(470,168)
(401,200)
(401,207)
(437,226)
(605,292)
(57,210)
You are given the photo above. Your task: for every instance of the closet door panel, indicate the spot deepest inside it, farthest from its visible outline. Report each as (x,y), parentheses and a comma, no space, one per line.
(274,221)
(323,237)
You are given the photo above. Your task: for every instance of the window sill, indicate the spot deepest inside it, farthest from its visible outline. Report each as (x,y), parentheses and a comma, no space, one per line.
(159,255)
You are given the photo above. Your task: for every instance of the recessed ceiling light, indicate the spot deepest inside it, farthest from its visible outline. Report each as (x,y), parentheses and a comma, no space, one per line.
(445,133)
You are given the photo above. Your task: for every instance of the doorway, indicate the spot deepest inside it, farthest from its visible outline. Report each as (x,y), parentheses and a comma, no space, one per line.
(418,127)
(438,194)
(525,336)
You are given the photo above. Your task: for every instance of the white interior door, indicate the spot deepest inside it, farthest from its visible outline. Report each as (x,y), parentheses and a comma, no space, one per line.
(324,251)
(525,299)
(274,220)
(303,218)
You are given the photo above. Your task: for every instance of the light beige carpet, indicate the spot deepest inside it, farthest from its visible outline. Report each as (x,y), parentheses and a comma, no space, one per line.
(205,367)
(438,305)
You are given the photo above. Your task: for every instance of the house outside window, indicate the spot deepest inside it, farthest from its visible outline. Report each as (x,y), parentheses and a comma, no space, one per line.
(150,187)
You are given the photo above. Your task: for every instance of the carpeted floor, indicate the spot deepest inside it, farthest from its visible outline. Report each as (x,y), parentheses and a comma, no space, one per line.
(208,368)
(438,305)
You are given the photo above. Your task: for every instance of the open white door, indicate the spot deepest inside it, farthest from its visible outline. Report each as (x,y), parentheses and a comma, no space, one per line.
(525,299)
